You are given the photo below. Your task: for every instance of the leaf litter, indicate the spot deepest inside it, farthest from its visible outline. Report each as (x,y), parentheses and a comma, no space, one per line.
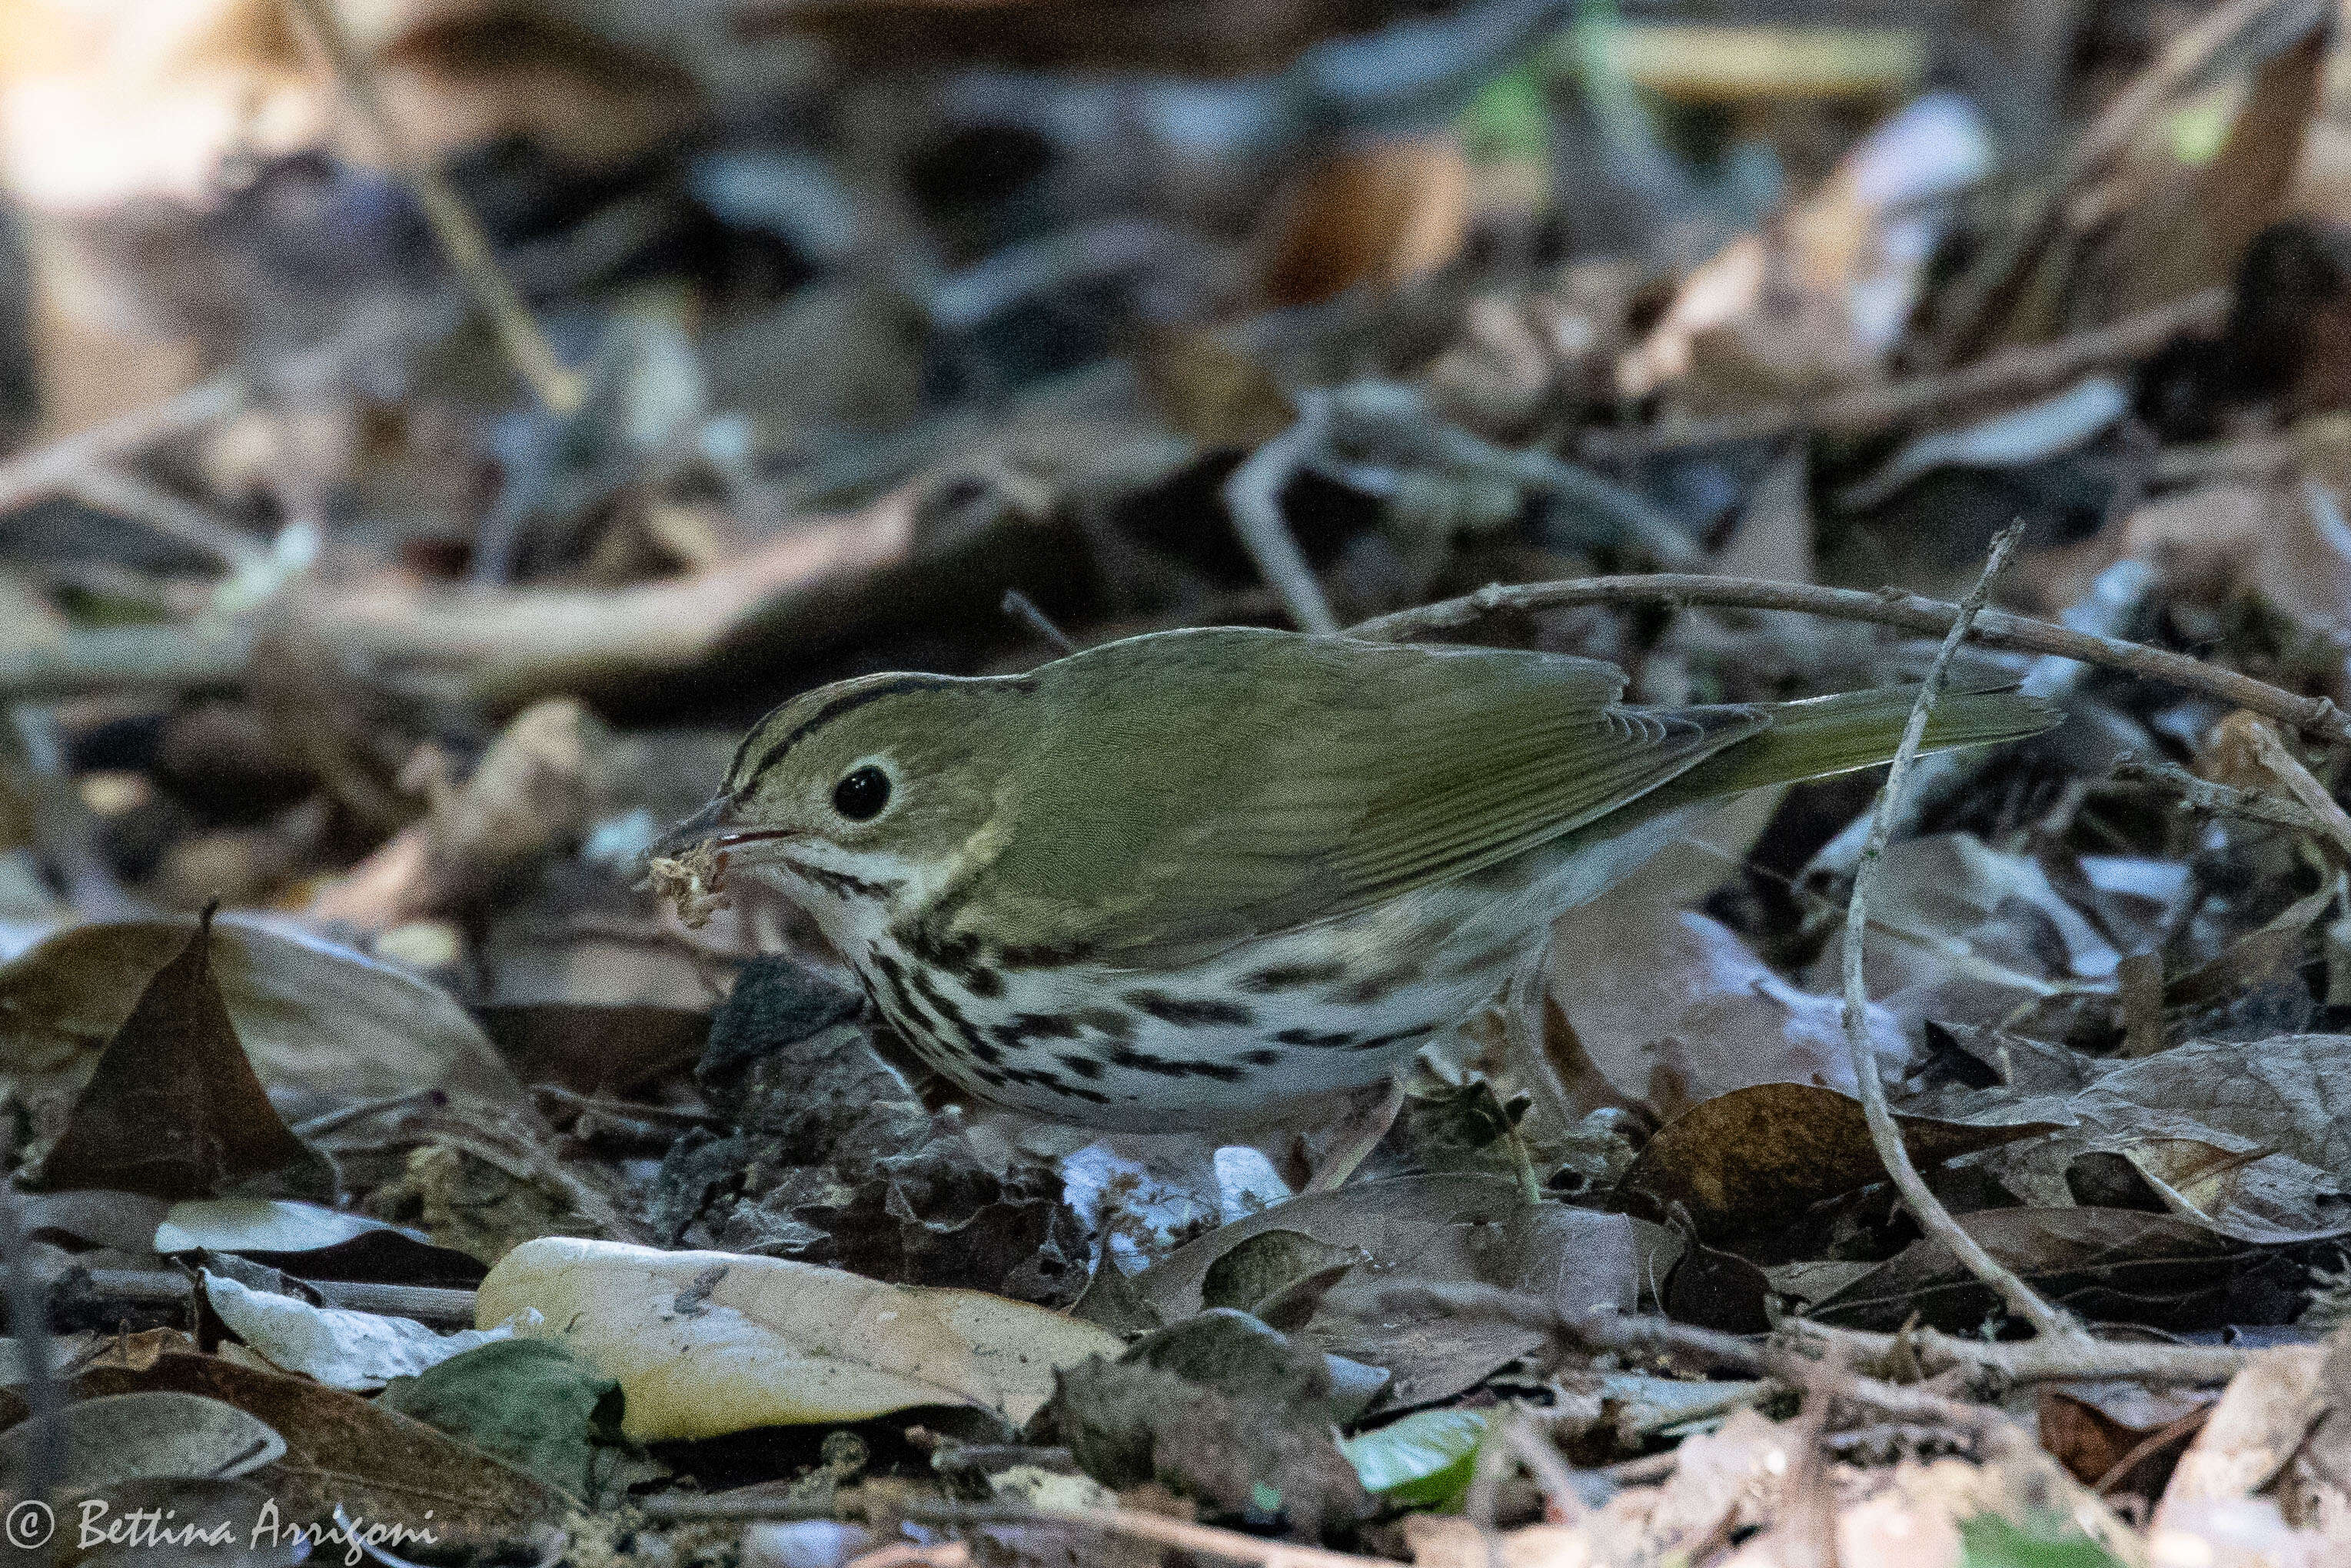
(404,638)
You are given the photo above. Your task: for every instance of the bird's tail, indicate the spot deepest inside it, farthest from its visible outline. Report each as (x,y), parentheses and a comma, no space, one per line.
(1822,736)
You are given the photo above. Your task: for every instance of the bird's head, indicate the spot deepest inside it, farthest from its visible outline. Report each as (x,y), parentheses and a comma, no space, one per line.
(868,793)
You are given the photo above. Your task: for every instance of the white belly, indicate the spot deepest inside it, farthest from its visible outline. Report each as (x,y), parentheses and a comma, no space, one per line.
(1245,1037)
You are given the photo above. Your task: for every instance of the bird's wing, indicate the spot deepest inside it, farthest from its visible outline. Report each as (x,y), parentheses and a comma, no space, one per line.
(1256,782)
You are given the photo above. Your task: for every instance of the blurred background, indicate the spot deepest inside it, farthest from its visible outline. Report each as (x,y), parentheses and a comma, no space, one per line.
(436,427)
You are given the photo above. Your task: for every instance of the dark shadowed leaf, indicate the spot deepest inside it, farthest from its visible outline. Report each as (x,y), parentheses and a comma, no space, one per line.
(313,1242)
(1286,1268)
(173,1109)
(1755,1159)
(2245,1138)
(1718,1290)
(2104,1263)
(314,1015)
(342,1450)
(128,1437)
(2093,1428)
(1222,1409)
(1435,1230)
(529,1402)
(1234,1351)
(2246,1195)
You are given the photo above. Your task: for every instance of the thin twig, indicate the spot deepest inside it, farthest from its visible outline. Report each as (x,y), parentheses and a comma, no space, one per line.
(42,472)
(2060,1359)
(559,388)
(2210,797)
(1612,1331)
(2295,782)
(106,487)
(1552,1473)
(1932,1216)
(1887,607)
(1923,1352)
(1253,496)
(57,465)
(1023,609)
(328,1122)
(2014,376)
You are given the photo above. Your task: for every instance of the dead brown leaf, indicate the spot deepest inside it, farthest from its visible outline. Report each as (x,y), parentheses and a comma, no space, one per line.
(173,1109)
(2104,1263)
(1754,1159)
(343,1451)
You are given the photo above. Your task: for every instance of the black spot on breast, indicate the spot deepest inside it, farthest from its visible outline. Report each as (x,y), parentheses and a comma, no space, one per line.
(1394,1037)
(1319,1040)
(1021,1029)
(1044,956)
(1083,1066)
(1037,1078)
(1187,1011)
(1110,1023)
(1376,988)
(1291,977)
(1489,959)
(1263,1057)
(953,1018)
(1167,1067)
(902,1007)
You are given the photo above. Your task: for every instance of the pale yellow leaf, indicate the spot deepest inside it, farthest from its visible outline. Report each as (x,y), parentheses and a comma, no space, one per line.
(705,1344)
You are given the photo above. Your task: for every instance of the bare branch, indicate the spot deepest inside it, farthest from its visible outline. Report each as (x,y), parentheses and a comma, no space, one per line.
(1887,607)
(1932,1216)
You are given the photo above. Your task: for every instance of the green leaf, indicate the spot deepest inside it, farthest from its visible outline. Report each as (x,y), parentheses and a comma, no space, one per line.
(1424,1459)
(1992,1541)
(529,1402)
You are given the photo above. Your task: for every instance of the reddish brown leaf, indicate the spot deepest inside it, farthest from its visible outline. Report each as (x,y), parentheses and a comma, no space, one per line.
(1757,1157)
(173,1109)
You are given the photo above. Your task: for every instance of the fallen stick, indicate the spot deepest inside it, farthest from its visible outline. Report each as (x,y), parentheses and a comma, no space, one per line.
(161,1287)
(1917,1354)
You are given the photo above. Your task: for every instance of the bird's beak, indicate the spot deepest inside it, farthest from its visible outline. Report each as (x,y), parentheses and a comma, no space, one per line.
(713,824)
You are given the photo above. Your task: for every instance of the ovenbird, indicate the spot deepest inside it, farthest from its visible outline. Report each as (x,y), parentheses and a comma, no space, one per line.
(1189,878)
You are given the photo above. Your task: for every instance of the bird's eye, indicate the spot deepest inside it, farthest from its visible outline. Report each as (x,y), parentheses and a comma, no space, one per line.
(861,793)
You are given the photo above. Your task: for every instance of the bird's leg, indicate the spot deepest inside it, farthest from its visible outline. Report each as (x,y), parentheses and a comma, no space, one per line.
(1358,1132)
(1522,1040)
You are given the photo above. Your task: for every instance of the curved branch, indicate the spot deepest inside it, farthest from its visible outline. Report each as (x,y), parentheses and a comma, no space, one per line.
(1933,1219)
(1886,607)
